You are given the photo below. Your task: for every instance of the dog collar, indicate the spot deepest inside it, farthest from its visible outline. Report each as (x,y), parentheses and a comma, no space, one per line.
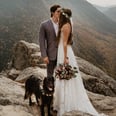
(46,94)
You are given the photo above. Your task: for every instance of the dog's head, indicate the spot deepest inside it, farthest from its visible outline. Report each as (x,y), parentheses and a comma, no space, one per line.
(48,84)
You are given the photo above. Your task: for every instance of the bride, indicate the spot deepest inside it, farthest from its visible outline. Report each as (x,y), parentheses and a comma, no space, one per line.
(69,94)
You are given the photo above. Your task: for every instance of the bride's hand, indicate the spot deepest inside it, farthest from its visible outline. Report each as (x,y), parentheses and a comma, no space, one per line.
(66,60)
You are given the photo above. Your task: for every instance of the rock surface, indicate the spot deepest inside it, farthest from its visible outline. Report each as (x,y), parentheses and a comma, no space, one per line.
(102,87)
(25,55)
(96,80)
(11,100)
(38,72)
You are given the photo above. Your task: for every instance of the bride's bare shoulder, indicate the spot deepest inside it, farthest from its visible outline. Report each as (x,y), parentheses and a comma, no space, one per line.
(66,27)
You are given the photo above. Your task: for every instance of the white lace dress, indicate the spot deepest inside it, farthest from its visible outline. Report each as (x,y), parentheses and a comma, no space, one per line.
(70,94)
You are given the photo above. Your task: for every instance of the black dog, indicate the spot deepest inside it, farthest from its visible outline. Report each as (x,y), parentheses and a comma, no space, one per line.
(45,94)
(32,86)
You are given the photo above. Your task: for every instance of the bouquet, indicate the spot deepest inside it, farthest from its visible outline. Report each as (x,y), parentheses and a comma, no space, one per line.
(65,71)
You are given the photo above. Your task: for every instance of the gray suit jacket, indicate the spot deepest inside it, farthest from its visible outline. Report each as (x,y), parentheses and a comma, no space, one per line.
(47,40)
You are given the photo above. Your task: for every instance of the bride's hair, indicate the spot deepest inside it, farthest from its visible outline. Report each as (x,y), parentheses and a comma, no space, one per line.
(64,18)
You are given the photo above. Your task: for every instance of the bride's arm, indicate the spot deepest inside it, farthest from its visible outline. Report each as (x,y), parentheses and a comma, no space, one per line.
(66,31)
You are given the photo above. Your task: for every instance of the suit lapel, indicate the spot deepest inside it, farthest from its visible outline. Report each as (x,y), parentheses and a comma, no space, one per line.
(52,27)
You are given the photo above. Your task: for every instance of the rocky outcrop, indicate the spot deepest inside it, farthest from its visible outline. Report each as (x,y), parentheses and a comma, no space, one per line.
(12,102)
(25,55)
(12,90)
(27,60)
(11,99)
(38,72)
(96,80)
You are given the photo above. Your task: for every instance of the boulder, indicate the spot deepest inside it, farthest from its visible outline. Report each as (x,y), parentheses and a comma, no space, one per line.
(26,54)
(95,79)
(38,72)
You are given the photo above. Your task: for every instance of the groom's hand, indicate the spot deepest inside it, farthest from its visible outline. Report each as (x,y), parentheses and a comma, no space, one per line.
(46,60)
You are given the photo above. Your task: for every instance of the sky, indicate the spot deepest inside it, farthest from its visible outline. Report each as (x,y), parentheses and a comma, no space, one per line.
(103,2)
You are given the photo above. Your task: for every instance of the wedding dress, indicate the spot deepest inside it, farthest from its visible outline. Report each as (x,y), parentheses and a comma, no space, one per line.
(70,94)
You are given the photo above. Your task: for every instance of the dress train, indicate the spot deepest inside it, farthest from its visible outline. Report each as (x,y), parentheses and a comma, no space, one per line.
(70,94)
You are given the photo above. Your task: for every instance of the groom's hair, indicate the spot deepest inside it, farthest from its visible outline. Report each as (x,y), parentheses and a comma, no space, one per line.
(53,8)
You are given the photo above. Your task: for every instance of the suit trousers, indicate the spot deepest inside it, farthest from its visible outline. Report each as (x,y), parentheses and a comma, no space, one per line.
(50,67)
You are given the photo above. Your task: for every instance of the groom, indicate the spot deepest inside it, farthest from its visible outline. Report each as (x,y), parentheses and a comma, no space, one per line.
(47,39)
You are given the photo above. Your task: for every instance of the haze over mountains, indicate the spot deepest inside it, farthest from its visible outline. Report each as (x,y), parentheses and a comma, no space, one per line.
(111,12)
(94,32)
(108,11)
